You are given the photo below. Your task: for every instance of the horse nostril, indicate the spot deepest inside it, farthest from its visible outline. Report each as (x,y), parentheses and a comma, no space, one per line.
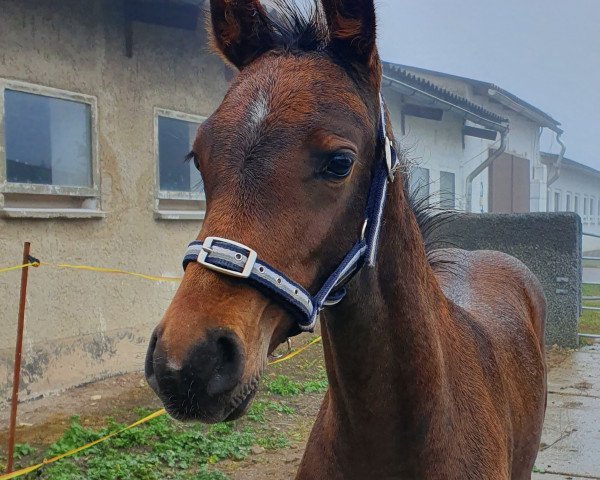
(228,366)
(227,351)
(149,363)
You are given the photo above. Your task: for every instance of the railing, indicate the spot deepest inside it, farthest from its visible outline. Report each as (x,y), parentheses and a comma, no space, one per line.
(590,298)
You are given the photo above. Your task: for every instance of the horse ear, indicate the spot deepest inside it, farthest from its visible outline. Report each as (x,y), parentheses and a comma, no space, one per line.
(353,29)
(241,30)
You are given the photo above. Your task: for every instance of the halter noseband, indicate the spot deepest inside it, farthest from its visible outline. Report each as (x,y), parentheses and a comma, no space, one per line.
(236,260)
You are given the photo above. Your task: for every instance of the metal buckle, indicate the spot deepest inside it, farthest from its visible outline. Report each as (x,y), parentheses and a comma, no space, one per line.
(388,159)
(207,250)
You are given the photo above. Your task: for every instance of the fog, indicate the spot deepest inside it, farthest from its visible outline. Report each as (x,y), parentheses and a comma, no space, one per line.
(547,52)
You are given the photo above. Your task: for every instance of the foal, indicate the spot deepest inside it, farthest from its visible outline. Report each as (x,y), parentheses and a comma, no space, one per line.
(432,374)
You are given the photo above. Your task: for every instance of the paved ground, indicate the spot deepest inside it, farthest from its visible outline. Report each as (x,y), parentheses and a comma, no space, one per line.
(571,439)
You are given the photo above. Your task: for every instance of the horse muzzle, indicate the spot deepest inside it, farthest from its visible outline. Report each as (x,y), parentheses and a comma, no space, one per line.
(207,385)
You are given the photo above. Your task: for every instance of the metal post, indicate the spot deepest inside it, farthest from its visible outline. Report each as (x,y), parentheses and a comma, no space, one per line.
(17,367)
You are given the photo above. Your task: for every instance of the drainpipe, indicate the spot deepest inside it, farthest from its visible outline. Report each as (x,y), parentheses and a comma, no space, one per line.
(558,163)
(481,168)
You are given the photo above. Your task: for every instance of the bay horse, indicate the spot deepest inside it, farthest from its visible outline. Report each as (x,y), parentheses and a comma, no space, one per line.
(434,373)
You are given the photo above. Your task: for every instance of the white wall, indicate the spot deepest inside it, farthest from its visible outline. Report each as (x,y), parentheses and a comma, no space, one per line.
(580,184)
(438,146)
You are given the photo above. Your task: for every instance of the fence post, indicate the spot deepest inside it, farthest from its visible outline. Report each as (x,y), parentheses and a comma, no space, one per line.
(17,367)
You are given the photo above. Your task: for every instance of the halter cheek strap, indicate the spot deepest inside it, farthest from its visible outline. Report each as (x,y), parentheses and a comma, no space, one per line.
(236,260)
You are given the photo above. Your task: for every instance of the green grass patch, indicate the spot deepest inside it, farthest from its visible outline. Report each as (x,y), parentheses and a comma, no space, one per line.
(284,386)
(161,449)
(259,409)
(589,322)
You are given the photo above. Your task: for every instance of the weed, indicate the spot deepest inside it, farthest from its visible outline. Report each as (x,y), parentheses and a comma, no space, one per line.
(315,386)
(22,450)
(259,408)
(158,450)
(284,386)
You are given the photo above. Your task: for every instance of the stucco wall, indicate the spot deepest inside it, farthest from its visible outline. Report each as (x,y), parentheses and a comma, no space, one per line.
(80,325)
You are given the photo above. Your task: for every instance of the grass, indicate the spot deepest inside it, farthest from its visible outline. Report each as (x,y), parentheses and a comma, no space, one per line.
(284,386)
(589,321)
(164,449)
(161,449)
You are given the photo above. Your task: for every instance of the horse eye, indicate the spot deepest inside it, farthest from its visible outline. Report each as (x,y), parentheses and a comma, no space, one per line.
(339,166)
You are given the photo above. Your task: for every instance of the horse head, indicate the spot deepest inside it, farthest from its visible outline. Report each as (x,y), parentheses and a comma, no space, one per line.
(287,160)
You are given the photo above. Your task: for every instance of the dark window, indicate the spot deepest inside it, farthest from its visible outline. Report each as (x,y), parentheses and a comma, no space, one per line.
(556,201)
(48,140)
(447,190)
(175,139)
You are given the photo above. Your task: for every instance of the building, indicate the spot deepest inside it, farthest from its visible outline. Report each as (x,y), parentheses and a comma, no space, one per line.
(99,101)
(575,188)
(475,143)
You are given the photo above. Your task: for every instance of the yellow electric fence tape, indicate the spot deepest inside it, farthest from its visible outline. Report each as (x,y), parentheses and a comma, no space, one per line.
(111,270)
(293,354)
(92,269)
(33,468)
(18,267)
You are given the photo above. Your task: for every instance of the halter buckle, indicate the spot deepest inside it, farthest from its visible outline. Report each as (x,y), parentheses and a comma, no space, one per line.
(388,159)
(207,249)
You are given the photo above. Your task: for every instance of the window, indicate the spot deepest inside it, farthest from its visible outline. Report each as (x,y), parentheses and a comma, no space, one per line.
(447,190)
(568,203)
(49,149)
(557,201)
(419,184)
(179,190)
(592,209)
(576,204)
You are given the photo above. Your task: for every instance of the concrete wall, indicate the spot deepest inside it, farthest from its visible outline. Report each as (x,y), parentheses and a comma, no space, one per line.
(82,326)
(548,243)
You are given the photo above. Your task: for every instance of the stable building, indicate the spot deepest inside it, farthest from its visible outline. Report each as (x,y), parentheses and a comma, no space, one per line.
(99,104)
(475,146)
(575,187)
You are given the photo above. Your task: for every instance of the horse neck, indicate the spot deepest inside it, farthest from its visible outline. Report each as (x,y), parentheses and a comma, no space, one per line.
(382,345)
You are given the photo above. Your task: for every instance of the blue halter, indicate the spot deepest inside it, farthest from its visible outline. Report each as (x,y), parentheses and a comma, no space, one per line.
(236,260)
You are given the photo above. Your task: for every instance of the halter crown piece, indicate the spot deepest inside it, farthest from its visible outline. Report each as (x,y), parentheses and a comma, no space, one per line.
(237,260)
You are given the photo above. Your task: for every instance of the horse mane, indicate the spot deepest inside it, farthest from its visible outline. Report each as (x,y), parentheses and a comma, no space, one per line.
(300,28)
(431,219)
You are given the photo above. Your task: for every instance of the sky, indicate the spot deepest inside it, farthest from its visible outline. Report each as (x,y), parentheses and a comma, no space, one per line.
(546,52)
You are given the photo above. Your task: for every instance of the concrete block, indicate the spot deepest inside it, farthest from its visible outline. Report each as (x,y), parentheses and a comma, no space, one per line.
(548,243)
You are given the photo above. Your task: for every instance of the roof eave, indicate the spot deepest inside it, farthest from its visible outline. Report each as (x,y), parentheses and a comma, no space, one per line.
(411,91)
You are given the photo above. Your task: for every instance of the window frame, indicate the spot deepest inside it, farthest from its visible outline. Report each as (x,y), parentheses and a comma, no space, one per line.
(170,214)
(557,206)
(39,189)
